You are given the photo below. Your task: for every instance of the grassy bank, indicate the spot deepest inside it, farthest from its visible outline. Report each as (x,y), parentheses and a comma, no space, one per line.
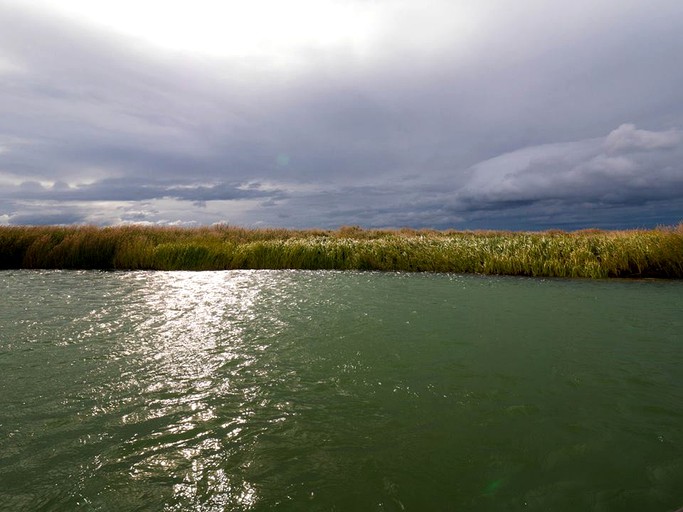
(590,253)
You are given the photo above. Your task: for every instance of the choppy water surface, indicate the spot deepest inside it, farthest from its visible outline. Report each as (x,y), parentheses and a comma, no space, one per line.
(284,390)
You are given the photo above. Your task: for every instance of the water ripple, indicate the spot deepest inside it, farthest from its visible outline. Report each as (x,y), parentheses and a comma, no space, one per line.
(261,390)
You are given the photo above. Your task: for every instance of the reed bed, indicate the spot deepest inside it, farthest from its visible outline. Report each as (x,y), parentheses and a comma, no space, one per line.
(588,253)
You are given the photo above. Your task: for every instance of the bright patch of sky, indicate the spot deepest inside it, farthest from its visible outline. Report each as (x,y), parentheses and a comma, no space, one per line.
(279,33)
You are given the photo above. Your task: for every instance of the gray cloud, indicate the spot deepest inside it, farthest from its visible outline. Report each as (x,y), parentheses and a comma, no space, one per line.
(626,166)
(136,189)
(542,114)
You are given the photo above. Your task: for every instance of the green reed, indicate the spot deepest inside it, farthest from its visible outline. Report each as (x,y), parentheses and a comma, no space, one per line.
(588,253)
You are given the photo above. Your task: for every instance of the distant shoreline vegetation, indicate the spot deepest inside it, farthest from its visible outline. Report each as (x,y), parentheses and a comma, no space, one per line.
(588,253)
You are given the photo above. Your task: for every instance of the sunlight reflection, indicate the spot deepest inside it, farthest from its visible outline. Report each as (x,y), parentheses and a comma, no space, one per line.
(199,343)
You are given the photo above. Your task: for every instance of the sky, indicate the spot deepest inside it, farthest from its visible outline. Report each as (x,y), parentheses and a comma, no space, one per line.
(446,114)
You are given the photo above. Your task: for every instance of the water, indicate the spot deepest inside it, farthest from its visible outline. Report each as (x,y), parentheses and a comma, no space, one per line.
(290,390)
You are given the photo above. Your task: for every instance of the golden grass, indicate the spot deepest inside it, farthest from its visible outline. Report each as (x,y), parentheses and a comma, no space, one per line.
(587,253)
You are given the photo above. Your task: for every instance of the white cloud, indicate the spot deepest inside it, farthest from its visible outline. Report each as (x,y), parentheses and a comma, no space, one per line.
(9,66)
(588,169)
(627,138)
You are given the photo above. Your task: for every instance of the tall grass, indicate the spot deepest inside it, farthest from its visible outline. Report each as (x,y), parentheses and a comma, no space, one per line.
(589,253)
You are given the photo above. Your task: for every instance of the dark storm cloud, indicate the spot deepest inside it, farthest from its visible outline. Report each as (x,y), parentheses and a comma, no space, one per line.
(136,189)
(46,218)
(546,114)
(630,177)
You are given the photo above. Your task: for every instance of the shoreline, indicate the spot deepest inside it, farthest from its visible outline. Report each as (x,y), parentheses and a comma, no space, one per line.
(654,253)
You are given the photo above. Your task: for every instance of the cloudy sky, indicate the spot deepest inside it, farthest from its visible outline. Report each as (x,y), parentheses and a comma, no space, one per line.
(525,114)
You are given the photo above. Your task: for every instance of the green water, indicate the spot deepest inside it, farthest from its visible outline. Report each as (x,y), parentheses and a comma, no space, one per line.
(334,391)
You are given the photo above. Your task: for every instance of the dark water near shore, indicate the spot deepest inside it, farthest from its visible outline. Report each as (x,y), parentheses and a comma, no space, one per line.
(292,390)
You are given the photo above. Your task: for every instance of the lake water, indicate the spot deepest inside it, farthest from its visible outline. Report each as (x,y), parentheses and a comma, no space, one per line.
(334,391)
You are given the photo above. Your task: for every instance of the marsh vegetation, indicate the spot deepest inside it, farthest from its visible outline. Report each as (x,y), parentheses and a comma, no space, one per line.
(587,253)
